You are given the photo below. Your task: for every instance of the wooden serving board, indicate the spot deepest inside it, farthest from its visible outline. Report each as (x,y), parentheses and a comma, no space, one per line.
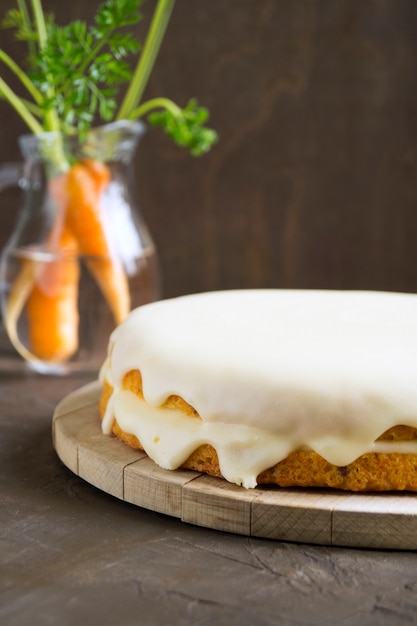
(314,516)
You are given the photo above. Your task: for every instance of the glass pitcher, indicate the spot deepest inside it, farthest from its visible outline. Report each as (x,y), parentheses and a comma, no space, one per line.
(80,256)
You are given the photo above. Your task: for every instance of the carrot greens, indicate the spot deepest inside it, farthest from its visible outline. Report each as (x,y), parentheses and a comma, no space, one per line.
(75,73)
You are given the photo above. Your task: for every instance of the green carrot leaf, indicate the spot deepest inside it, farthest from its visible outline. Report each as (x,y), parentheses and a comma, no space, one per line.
(74,73)
(16,20)
(186,127)
(78,63)
(116,12)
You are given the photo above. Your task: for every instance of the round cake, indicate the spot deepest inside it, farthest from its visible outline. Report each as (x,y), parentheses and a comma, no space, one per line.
(300,388)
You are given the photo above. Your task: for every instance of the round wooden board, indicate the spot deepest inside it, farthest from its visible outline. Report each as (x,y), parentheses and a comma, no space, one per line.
(323,517)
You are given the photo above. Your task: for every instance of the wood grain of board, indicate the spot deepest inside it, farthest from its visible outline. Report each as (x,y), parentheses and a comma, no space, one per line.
(324,517)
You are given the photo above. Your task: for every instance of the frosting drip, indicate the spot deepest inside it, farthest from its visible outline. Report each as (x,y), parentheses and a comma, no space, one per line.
(269,371)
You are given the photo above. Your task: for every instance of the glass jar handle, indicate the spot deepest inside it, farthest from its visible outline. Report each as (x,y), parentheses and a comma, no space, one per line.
(10,175)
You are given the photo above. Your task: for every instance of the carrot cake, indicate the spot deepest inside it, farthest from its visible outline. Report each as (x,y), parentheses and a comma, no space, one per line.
(289,387)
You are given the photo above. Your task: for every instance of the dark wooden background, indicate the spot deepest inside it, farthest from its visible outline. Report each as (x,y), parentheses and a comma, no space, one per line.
(314,181)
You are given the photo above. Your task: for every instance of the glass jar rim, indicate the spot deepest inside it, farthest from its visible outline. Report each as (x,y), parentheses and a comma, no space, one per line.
(107,140)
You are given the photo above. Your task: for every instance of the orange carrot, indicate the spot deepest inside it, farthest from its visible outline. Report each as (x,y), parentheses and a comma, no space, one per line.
(52,304)
(86,219)
(50,290)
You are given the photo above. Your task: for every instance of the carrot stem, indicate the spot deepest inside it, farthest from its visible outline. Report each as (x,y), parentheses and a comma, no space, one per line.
(159,23)
(51,118)
(19,107)
(24,78)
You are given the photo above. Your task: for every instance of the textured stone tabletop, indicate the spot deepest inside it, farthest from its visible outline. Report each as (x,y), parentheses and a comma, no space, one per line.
(72,554)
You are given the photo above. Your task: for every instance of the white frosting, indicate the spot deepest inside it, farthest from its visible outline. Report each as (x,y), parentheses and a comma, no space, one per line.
(269,371)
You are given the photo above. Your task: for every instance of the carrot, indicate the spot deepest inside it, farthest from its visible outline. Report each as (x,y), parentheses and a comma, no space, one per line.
(50,291)
(52,304)
(19,293)
(86,219)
